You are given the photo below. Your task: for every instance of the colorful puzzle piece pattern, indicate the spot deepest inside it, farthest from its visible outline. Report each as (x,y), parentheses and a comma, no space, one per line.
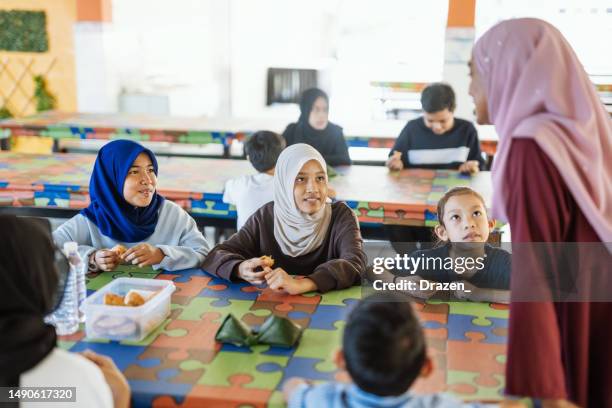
(61,125)
(62,180)
(407,197)
(375,195)
(468,343)
(96,280)
(180,364)
(64,125)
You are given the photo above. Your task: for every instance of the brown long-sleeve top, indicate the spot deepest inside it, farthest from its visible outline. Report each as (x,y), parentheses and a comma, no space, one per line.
(338,263)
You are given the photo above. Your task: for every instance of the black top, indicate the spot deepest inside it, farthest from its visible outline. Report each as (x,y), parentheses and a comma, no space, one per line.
(329,141)
(337,264)
(421,147)
(494,275)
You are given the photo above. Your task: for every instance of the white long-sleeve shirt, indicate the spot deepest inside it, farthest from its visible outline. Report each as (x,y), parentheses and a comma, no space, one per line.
(176,234)
(64,369)
(248,193)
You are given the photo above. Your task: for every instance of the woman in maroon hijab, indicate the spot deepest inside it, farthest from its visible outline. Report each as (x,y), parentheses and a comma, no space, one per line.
(552,180)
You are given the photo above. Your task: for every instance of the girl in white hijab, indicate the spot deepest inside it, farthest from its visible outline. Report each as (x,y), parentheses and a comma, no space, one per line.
(301,230)
(302,210)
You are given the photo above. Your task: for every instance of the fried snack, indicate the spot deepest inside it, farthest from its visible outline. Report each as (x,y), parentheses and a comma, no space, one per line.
(134,298)
(119,249)
(111,299)
(268,261)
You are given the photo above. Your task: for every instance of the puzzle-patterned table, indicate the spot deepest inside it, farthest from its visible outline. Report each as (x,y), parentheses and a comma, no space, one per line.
(140,127)
(180,364)
(376,195)
(62,181)
(407,197)
(67,125)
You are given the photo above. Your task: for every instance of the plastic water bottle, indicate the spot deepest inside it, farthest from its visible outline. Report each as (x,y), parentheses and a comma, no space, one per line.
(66,317)
(71,249)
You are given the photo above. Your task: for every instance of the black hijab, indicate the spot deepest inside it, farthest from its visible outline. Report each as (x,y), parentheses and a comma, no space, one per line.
(28,285)
(329,141)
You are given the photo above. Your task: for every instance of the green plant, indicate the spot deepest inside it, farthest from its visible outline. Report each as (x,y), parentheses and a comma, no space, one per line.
(44,99)
(5,113)
(23,30)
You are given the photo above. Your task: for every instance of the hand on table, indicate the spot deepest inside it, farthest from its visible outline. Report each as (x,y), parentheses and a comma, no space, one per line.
(395,161)
(115,378)
(467,291)
(246,271)
(279,280)
(143,255)
(106,259)
(470,166)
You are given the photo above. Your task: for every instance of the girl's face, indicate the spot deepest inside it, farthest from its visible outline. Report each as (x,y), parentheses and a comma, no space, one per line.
(140,182)
(310,188)
(319,115)
(477,91)
(465,220)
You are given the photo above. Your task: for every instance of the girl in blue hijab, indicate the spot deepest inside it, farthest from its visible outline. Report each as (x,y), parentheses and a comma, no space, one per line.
(126,211)
(110,210)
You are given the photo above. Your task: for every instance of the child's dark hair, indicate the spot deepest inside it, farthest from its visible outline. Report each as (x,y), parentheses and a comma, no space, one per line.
(263,149)
(438,96)
(384,346)
(455,191)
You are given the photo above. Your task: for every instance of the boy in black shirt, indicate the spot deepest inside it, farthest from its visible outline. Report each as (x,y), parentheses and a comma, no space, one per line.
(437,140)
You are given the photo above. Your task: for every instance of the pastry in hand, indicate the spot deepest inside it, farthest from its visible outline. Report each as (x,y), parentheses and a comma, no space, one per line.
(267,260)
(119,250)
(112,299)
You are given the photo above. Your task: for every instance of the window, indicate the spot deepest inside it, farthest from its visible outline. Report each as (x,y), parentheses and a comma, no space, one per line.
(285,85)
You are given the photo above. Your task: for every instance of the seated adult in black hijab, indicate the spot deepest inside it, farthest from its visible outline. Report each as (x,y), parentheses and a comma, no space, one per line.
(31,284)
(314,128)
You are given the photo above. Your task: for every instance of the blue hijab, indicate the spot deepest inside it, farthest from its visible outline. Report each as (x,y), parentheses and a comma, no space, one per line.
(114,216)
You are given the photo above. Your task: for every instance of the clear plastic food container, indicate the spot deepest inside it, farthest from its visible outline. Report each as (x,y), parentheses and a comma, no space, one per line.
(127,322)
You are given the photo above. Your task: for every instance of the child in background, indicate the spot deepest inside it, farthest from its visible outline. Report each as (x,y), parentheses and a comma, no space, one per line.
(384,352)
(301,230)
(126,209)
(464,229)
(437,140)
(314,128)
(250,192)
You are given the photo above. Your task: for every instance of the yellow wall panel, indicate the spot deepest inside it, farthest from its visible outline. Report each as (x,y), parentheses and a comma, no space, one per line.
(57,64)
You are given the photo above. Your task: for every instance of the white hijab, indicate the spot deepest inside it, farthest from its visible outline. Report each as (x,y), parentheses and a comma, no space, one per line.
(297,233)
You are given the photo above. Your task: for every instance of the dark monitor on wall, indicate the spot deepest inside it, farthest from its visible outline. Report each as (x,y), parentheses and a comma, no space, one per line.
(285,85)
